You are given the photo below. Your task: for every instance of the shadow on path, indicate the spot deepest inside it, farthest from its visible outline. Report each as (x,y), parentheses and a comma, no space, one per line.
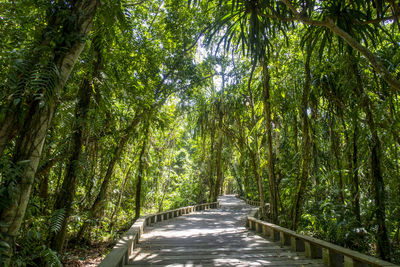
(216,237)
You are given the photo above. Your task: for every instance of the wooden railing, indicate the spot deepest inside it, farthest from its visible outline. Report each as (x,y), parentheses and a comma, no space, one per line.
(249,201)
(331,254)
(253,202)
(119,255)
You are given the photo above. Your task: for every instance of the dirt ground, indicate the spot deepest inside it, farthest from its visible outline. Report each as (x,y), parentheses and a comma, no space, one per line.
(89,257)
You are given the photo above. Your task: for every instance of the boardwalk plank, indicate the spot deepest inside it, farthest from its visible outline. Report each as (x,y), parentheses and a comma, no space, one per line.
(212,238)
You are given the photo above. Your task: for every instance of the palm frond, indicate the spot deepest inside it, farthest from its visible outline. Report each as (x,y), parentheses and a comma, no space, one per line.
(56,220)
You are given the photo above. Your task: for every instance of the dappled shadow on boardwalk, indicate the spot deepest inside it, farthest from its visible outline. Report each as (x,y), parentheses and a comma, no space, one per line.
(212,238)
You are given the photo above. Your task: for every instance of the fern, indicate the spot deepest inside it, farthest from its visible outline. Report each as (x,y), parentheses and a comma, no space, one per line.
(56,220)
(50,257)
(43,80)
(29,80)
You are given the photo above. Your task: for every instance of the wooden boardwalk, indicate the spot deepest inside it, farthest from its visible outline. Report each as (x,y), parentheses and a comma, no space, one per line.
(215,237)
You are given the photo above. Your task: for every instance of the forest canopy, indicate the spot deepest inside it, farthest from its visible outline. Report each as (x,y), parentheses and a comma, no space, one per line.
(113,109)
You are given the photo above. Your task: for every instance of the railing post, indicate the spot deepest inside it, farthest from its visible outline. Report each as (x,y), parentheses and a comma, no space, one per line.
(331,258)
(296,244)
(282,239)
(275,235)
(350,262)
(126,258)
(251,224)
(265,231)
(312,251)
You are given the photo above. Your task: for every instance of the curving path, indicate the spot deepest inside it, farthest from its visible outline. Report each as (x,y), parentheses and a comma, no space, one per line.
(215,237)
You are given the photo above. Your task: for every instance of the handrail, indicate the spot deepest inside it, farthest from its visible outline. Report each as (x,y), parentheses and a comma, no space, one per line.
(119,255)
(331,254)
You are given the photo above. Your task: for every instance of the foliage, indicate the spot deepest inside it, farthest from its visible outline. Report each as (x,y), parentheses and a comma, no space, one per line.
(177,115)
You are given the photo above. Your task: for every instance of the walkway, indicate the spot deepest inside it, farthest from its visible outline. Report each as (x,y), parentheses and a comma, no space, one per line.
(216,237)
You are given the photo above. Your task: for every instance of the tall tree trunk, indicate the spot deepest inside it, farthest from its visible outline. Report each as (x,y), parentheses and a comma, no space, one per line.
(270,157)
(43,174)
(141,171)
(255,155)
(355,181)
(383,246)
(279,176)
(66,195)
(335,154)
(26,159)
(296,148)
(383,243)
(219,179)
(219,167)
(313,123)
(211,174)
(121,192)
(31,138)
(243,166)
(299,197)
(101,196)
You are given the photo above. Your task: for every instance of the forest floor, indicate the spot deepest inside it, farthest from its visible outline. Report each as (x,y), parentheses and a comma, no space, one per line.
(90,257)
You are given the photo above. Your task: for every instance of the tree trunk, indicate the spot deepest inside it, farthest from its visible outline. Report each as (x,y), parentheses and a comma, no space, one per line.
(335,154)
(296,148)
(211,174)
(313,123)
(101,197)
(383,246)
(255,155)
(43,174)
(356,184)
(219,167)
(121,192)
(31,138)
(26,158)
(298,200)
(270,158)
(383,243)
(245,169)
(279,176)
(141,171)
(66,195)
